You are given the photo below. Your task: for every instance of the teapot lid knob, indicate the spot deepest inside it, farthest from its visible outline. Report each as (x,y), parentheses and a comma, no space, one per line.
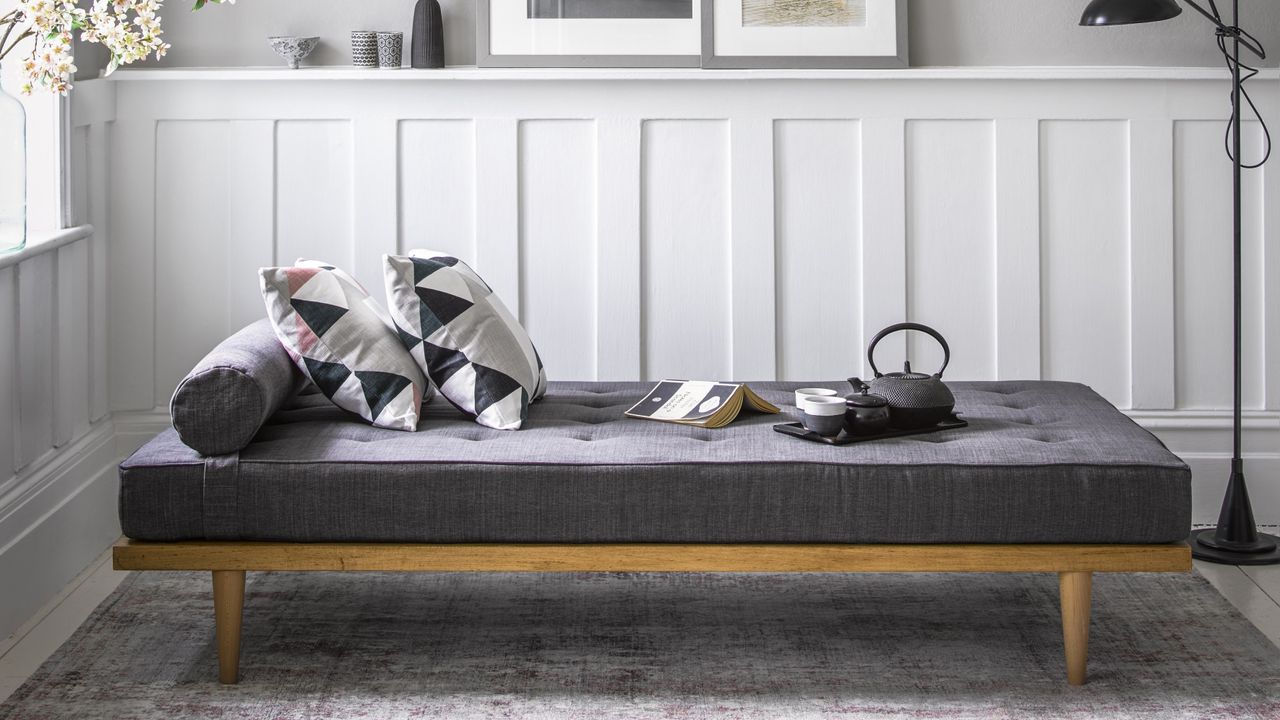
(906,367)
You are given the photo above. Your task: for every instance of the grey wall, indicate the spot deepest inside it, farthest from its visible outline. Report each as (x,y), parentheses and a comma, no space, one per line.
(943,32)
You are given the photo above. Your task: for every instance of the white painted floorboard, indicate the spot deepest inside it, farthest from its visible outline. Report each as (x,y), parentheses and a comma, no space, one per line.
(1254,591)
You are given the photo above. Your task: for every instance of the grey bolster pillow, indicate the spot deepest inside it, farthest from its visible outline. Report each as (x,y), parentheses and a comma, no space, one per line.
(220,405)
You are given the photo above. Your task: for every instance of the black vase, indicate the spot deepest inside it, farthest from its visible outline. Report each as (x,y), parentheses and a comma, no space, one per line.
(428,35)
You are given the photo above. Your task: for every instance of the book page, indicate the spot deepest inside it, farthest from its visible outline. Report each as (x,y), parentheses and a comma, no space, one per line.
(676,400)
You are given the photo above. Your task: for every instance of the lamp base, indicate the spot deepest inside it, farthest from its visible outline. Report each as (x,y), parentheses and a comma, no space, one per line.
(1205,547)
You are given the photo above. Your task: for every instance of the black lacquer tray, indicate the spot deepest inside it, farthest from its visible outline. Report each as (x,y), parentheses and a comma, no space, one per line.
(795,429)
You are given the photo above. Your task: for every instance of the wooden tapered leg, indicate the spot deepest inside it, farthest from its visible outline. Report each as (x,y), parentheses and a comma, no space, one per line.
(1076,590)
(228,606)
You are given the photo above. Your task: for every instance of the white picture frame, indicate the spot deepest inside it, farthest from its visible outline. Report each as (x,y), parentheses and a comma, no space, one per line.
(880,41)
(507,37)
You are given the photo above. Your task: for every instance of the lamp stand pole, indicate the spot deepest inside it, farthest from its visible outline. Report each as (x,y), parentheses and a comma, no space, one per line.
(1236,540)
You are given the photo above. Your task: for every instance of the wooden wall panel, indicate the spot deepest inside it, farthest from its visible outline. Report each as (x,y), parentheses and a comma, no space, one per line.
(1017,282)
(8,373)
(1085,254)
(131,294)
(558,244)
(79,187)
(951,245)
(686,261)
(884,235)
(1203,265)
(754,292)
(251,223)
(498,207)
(817,171)
(314,191)
(37,313)
(438,186)
(98,171)
(192,239)
(618,353)
(666,229)
(73,354)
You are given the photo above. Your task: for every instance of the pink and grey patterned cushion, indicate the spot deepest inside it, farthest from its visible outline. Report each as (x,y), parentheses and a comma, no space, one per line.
(341,339)
(464,338)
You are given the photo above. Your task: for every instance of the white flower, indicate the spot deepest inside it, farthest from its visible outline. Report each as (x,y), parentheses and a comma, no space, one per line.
(129,29)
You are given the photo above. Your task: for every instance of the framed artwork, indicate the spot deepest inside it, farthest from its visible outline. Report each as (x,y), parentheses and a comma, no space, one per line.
(804,33)
(589,33)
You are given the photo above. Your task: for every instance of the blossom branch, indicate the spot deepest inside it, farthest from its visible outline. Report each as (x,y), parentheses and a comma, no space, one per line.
(129,29)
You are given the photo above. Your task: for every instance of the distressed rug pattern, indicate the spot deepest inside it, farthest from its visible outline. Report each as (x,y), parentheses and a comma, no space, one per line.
(658,646)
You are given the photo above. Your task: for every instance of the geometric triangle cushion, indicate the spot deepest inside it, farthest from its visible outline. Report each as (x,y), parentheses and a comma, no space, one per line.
(340,339)
(464,338)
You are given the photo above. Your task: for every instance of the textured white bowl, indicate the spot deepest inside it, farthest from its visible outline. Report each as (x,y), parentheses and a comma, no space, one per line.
(293,49)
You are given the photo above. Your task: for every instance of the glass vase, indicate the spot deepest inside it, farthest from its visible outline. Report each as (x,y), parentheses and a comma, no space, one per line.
(13,173)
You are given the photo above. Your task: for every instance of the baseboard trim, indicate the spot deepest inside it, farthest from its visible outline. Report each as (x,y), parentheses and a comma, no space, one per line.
(49,481)
(57,518)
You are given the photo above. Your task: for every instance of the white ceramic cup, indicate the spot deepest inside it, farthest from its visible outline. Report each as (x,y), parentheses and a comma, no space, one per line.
(804,393)
(823,415)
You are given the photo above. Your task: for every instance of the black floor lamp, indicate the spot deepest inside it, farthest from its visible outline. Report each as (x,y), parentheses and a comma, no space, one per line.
(1236,540)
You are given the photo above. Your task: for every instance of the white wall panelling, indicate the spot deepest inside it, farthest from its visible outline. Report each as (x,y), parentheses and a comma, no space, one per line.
(37,312)
(374,198)
(817,178)
(56,511)
(314,191)
(1018,248)
(191,263)
(951,267)
(753,279)
(1066,224)
(250,240)
(438,186)
(1085,268)
(618,255)
(8,373)
(687,260)
(557,222)
(1202,251)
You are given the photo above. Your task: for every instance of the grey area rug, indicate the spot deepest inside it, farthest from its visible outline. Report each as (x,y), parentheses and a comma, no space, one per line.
(658,646)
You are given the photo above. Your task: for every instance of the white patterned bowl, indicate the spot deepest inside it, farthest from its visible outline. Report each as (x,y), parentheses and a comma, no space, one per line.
(293,49)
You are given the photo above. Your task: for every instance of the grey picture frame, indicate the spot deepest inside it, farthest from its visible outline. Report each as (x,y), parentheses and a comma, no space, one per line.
(802,62)
(485,58)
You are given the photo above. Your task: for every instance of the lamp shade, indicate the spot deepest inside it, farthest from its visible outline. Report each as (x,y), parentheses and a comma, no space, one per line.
(1128,12)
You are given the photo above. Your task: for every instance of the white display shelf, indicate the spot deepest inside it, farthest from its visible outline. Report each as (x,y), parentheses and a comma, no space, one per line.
(671,74)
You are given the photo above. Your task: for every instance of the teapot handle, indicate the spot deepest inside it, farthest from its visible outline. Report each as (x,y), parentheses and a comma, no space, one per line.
(946,349)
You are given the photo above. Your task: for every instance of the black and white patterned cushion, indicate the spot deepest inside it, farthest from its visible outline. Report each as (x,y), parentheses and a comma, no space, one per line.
(343,341)
(464,338)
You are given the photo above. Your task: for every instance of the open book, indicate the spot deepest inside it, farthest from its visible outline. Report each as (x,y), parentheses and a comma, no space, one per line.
(699,403)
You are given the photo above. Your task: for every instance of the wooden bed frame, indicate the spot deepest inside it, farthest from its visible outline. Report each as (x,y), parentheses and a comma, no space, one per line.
(228,561)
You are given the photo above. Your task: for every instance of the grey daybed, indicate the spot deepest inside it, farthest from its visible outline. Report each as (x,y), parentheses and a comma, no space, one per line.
(1049,477)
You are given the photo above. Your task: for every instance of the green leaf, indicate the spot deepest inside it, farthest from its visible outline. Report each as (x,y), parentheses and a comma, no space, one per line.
(199,4)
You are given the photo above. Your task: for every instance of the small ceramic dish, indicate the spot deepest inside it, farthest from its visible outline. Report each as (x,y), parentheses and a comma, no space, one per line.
(293,49)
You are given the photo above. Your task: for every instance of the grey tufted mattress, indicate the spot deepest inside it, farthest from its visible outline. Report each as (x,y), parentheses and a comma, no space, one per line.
(1041,463)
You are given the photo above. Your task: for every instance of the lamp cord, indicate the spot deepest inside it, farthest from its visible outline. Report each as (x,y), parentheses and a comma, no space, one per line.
(1247,73)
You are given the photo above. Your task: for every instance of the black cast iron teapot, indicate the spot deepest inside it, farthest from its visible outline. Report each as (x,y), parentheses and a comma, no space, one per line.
(916,400)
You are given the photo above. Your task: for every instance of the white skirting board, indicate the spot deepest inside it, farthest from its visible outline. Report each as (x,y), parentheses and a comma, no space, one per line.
(51,533)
